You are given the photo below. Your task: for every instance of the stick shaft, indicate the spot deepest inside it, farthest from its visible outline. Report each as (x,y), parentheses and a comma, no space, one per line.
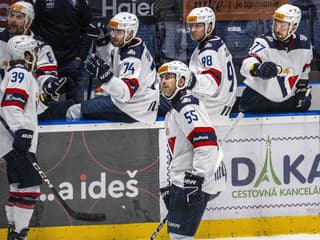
(159,227)
(232,126)
(93,54)
(71,212)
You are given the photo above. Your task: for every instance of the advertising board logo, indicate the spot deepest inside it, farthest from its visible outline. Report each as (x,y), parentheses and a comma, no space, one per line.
(300,171)
(267,172)
(140,8)
(97,189)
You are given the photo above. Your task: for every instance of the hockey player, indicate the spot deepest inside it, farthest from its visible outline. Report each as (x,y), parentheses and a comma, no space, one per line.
(214,80)
(128,76)
(20,17)
(277,67)
(19,97)
(196,171)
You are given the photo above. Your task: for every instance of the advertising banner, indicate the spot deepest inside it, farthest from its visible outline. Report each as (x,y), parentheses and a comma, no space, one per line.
(113,172)
(236,10)
(108,8)
(272,170)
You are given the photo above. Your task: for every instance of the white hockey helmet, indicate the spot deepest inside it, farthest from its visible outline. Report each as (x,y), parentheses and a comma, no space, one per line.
(18,46)
(180,70)
(287,13)
(24,7)
(127,22)
(202,15)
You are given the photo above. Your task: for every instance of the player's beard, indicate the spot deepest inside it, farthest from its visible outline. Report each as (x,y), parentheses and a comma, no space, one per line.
(115,42)
(15,29)
(279,36)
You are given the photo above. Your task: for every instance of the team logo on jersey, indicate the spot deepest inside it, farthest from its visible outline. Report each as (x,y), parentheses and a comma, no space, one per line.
(131,52)
(50,3)
(74,2)
(208,45)
(186,100)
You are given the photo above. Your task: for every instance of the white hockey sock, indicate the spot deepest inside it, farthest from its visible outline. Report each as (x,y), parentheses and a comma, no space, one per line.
(9,213)
(174,236)
(24,207)
(11,203)
(22,217)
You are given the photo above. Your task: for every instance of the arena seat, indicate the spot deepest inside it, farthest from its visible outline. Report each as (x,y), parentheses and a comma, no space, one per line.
(238,35)
(148,34)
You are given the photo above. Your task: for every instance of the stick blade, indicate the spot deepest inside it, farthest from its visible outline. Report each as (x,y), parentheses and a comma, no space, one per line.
(90,217)
(82,216)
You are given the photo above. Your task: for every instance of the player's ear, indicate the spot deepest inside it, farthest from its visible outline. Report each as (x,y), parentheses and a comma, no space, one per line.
(209,29)
(181,82)
(28,23)
(130,34)
(294,27)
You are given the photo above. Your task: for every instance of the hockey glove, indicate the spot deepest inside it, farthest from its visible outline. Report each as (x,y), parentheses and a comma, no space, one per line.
(98,68)
(53,87)
(93,31)
(165,195)
(193,189)
(192,81)
(265,70)
(303,95)
(22,140)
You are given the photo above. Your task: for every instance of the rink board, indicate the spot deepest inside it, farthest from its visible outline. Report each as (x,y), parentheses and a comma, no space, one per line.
(94,155)
(207,229)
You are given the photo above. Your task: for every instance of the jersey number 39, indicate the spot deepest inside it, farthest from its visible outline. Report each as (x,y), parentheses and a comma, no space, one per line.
(17,76)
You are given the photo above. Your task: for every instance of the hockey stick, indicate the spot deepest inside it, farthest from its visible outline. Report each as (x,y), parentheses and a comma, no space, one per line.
(230,129)
(158,229)
(74,214)
(232,126)
(93,54)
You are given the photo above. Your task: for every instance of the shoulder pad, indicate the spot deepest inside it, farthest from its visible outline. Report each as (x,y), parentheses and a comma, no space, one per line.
(40,40)
(212,44)
(268,39)
(133,49)
(186,100)
(304,41)
(18,66)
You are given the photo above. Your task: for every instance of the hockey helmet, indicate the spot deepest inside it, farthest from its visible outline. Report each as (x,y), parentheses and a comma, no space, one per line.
(287,13)
(127,22)
(180,70)
(24,7)
(21,45)
(202,15)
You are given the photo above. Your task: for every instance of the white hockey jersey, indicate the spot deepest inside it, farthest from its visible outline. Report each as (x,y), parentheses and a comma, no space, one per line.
(19,98)
(216,81)
(193,145)
(134,88)
(46,61)
(293,62)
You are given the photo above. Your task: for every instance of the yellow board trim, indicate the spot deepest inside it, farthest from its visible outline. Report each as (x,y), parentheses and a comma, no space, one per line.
(208,229)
